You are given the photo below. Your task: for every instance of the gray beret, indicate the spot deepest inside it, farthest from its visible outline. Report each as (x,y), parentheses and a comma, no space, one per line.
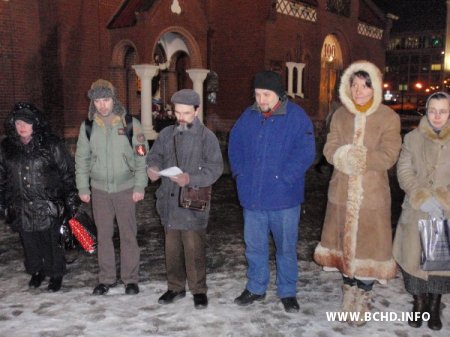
(186,96)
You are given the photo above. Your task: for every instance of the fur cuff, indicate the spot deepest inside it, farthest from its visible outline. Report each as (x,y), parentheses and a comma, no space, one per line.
(340,158)
(350,159)
(418,197)
(442,195)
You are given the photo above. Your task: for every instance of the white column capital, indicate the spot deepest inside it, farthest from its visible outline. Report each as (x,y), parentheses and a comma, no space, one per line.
(197,74)
(291,65)
(145,71)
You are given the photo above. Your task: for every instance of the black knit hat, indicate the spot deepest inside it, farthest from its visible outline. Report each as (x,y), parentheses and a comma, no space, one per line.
(270,80)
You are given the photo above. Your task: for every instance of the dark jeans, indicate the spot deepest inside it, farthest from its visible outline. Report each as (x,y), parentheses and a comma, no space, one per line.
(186,260)
(43,252)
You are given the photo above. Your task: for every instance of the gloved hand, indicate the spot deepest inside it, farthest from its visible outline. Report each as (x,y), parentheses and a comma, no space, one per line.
(152,173)
(433,208)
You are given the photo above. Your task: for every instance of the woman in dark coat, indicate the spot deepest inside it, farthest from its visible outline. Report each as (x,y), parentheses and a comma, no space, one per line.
(37,189)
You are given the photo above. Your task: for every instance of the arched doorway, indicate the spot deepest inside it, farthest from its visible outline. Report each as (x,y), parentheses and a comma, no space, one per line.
(122,75)
(172,56)
(330,73)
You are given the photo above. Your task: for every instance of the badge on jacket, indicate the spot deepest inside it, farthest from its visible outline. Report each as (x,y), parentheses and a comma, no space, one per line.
(121,131)
(140,150)
(141,138)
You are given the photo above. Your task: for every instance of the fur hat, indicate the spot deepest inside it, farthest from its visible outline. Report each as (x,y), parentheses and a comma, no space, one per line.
(101,89)
(186,96)
(104,89)
(270,80)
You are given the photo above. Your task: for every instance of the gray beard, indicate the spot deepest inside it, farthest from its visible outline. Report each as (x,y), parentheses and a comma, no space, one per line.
(184,127)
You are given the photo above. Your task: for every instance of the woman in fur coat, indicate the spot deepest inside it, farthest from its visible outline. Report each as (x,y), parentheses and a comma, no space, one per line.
(423,173)
(363,143)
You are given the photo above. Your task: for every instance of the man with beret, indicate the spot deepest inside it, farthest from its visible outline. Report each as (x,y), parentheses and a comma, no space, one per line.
(37,190)
(270,149)
(195,150)
(110,170)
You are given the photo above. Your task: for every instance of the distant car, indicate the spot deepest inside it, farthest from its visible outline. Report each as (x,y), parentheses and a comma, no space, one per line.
(410,115)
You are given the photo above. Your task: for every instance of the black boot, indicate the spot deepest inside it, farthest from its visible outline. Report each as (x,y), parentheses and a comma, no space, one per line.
(55,283)
(420,306)
(435,304)
(36,279)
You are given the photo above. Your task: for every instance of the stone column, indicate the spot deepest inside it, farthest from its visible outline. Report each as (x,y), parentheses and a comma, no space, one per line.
(299,67)
(146,72)
(290,89)
(198,76)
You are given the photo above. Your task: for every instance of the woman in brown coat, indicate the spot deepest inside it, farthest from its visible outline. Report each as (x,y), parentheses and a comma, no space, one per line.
(363,143)
(424,174)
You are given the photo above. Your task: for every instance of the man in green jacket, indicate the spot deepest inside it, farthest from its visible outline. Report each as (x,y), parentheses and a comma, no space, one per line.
(112,168)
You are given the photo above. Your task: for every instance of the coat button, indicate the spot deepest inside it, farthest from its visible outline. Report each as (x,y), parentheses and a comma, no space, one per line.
(171,194)
(31,203)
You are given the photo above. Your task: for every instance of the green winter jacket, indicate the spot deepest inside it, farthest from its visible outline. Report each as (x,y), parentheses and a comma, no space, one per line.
(107,162)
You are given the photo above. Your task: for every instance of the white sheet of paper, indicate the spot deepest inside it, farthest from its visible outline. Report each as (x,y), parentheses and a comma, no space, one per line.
(170,172)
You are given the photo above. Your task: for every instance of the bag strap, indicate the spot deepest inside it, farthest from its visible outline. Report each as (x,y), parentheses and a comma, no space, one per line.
(88,127)
(128,129)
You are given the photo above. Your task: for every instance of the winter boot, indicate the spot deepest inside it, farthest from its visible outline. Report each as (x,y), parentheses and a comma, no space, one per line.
(362,305)
(435,304)
(348,300)
(420,305)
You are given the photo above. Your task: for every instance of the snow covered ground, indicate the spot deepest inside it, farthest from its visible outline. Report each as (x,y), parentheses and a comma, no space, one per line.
(74,312)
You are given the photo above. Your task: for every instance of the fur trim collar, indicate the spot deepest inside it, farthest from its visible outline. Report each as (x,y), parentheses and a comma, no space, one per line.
(426,129)
(344,88)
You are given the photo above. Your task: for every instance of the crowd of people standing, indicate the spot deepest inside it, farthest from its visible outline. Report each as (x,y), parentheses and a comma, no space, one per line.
(271,147)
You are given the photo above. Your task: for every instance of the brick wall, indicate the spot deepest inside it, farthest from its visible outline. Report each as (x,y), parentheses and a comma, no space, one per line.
(51,51)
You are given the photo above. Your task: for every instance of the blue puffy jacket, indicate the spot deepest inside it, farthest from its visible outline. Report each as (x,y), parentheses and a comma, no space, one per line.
(269,157)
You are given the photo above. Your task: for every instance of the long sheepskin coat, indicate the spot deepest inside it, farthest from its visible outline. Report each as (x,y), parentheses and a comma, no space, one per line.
(422,171)
(357,236)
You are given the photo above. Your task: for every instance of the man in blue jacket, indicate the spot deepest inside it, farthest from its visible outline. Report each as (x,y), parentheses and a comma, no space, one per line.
(271,147)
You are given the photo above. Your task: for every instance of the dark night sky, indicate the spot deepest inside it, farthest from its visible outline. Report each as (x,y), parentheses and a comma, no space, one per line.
(415,14)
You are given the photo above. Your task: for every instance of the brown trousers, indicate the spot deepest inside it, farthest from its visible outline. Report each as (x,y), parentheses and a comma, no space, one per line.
(106,207)
(186,259)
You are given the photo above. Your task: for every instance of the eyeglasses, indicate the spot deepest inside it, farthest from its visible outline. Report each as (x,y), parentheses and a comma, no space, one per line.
(441,112)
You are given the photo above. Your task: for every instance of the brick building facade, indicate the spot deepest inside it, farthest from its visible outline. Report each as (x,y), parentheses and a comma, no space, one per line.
(51,51)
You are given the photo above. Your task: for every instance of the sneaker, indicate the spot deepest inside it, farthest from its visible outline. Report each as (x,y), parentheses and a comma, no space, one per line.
(200,301)
(54,284)
(247,298)
(131,289)
(171,296)
(102,289)
(290,304)
(36,280)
